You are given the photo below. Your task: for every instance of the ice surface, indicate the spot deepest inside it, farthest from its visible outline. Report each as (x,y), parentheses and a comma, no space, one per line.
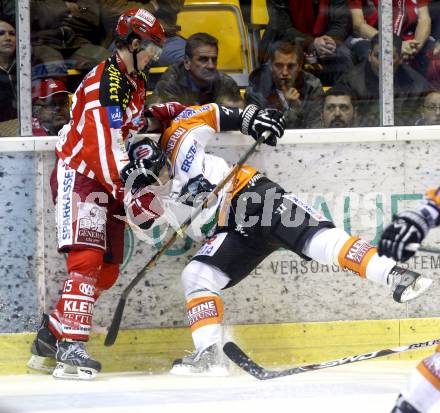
(364,387)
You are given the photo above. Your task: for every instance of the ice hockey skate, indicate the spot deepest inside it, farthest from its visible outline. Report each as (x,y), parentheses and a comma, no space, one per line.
(406,284)
(208,362)
(402,406)
(43,349)
(73,362)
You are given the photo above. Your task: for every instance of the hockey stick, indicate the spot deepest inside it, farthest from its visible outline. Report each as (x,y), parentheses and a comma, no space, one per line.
(116,322)
(417,247)
(237,355)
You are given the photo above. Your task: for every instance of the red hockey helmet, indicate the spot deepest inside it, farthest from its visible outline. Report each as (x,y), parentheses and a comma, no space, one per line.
(141,23)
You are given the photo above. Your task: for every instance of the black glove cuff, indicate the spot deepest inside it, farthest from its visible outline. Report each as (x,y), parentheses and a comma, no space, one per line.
(247,116)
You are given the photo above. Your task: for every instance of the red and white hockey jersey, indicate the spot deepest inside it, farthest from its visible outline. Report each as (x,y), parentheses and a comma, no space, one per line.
(107,108)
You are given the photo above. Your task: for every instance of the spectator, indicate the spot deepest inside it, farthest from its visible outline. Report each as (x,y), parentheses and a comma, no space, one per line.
(68,30)
(196,80)
(7,9)
(338,110)
(411,22)
(430,111)
(8,76)
(50,107)
(434,12)
(321,25)
(281,83)
(363,83)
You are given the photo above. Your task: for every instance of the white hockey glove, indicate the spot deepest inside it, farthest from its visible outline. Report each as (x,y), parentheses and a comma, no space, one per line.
(402,237)
(254,121)
(143,210)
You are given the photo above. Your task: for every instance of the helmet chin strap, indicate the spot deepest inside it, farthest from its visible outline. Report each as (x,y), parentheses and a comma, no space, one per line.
(135,60)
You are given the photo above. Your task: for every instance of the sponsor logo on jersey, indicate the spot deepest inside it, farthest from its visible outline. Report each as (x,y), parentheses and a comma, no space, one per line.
(190,112)
(66,203)
(91,225)
(189,158)
(310,210)
(87,289)
(210,247)
(115,80)
(114,116)
(357,251)
(202,311)
(178,133)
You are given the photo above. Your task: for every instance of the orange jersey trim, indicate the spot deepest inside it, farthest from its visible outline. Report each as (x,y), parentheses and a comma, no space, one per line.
(428,375)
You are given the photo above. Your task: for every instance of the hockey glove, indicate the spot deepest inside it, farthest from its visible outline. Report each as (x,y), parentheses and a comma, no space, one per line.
(196,190)
(141,174)
(164,113)
(408,227)
(255,121)
(144,209)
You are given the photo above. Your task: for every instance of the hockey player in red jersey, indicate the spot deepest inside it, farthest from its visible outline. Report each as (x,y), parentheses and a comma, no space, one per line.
(107,109)
(400,241)
(253,216)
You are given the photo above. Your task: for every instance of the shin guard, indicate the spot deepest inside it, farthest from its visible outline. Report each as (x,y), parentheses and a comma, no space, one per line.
(355,255)
(72,318)
(205,318)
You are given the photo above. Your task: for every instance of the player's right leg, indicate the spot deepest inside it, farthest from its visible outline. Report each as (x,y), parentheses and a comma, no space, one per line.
(202,284)
(422,391)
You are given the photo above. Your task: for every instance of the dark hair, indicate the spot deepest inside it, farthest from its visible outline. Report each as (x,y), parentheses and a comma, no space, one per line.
(397,43)
(6,19)
(287,48)
(199,39)
(338,90)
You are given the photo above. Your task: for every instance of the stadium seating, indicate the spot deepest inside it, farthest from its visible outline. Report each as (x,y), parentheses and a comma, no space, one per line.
(224,21)
(259,18)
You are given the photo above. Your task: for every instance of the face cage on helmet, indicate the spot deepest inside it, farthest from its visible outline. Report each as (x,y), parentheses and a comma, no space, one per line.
(155,50)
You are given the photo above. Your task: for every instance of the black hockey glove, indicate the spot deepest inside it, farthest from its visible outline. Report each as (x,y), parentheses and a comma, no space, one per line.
(408,227)
(196,190)
(142,175)
(254,121)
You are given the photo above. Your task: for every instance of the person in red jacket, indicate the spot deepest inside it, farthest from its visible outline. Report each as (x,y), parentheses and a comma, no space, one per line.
(321,26)
(411,22)
(92,151)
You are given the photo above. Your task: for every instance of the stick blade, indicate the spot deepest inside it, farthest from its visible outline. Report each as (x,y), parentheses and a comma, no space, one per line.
(113,330)
(242,360)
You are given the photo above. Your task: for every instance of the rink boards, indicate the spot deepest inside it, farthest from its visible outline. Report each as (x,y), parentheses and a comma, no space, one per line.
(272,345)
(356,177)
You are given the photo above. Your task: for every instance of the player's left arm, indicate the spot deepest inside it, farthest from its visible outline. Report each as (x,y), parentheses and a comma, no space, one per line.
(253,121)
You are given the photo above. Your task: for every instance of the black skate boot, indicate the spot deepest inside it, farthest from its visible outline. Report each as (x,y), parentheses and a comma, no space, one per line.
(208,362)
(43,348)
(406,284)
(402,406)
(74,362)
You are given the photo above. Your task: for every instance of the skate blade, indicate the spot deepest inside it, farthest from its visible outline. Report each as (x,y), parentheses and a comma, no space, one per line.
(217,371)
(418,288)
(39,363)
(66,372)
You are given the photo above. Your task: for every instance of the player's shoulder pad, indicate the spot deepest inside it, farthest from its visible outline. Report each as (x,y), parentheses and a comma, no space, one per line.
(114,87)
